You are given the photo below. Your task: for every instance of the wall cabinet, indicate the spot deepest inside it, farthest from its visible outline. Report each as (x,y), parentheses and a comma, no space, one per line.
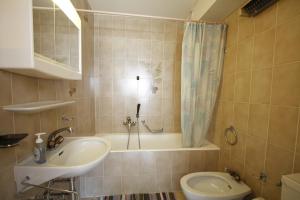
(40,38)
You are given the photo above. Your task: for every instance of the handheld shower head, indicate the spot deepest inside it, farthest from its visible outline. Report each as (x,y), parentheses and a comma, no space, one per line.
(138,110)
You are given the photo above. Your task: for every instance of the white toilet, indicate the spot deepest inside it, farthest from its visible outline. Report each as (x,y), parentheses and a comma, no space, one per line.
(213,186)
(290,187)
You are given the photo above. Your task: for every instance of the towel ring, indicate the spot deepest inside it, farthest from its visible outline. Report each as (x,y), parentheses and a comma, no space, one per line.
(231,135)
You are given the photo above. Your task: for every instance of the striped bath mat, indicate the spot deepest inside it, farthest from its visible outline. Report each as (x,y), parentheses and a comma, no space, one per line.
(153,196)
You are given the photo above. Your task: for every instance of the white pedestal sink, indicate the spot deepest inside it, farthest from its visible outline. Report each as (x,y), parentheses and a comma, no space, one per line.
(74,157)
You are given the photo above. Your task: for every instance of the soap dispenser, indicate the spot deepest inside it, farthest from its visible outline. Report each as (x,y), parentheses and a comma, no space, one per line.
(39,149)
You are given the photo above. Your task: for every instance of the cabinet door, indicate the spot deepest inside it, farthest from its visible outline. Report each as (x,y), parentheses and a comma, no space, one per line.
(56,36)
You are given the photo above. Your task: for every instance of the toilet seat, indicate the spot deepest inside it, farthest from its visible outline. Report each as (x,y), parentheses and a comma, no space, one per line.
(212,186)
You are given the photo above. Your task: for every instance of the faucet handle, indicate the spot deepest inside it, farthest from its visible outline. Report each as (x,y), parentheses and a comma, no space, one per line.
(59,140)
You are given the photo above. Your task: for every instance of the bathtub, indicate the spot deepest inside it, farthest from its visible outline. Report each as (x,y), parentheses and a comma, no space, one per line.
(156,167)
(151,142)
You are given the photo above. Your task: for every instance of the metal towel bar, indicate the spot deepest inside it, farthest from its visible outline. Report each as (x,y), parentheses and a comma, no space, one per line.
(150,130)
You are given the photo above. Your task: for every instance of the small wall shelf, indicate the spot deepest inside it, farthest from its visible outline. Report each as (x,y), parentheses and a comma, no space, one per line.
(33,107)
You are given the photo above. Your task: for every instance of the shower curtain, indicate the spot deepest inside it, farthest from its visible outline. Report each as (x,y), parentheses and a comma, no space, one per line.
(202,61)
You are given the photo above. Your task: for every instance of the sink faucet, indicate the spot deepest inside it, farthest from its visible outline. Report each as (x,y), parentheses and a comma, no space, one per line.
(234,174)
(54,140)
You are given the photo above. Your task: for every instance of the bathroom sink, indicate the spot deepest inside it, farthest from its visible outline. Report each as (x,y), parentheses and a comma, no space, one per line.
(74,157)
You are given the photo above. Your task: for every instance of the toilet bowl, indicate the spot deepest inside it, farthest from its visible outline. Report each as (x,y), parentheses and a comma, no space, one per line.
(213,186)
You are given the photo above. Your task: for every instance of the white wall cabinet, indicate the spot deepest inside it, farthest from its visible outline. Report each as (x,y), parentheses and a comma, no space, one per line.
(40,38)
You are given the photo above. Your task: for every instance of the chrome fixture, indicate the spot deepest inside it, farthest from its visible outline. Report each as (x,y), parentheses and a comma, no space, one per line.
(150,130)
(137,122)
(66,119)
(129,124)
(54,140)
(234,174)
(262,177)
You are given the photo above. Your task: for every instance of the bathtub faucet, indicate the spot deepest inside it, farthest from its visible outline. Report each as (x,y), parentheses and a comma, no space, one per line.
(129,123)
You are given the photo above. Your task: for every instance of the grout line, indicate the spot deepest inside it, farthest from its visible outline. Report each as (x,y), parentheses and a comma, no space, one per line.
(270,98)
(250,95)
(297,137)
(234,85)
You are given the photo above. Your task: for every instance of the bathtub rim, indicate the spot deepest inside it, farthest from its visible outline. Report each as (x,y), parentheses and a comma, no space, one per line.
(209,145)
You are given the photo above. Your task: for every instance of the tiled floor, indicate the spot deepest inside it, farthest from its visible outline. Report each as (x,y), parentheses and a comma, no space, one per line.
(178,195)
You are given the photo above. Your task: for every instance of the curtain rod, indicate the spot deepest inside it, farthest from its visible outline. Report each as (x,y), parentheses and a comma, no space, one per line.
(98,12)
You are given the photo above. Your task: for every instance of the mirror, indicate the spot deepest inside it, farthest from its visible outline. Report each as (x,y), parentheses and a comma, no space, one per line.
(56,37)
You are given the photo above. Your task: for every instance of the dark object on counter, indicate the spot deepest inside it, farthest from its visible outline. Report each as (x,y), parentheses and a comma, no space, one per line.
(10,140)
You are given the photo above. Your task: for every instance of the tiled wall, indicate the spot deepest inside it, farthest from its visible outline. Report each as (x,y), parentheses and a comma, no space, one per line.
(126,47)
(260,96)
(16,89)
(145,171)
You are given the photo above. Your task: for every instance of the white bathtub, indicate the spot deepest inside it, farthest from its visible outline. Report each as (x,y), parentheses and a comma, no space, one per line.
(156,167)
(151,142)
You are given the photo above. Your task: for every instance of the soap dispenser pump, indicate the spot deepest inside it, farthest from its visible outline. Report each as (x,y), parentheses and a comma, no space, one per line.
(39,149)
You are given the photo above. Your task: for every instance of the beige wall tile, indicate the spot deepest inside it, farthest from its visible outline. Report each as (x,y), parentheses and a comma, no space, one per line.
(5,88)
(278,162)
(25,89)
(263,49)
(147,183)
(241,116)
(261,86)
(287,9)
(286,85)
(283,127)
(287,42)
(6,125)
(242,86)
(131,163)
(252,181)
(232,30)
(227,87)
(265,20)
(47,89)
(244,54)
(270,140)
(271,191)
(259,120)
(211,160)
(238,150)
(238,166)
(49,121)
(228,114)
(197,161)
(164,181)
(297,163)
(112,165)
(246,27)
(255,153)
(230,59)
(112,185)
(130,184)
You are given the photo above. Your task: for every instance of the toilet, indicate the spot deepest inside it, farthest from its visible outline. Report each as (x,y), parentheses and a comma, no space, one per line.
(213,186)
(290,187)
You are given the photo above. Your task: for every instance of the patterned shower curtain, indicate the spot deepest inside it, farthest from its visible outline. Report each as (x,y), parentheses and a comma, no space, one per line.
(201,68)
